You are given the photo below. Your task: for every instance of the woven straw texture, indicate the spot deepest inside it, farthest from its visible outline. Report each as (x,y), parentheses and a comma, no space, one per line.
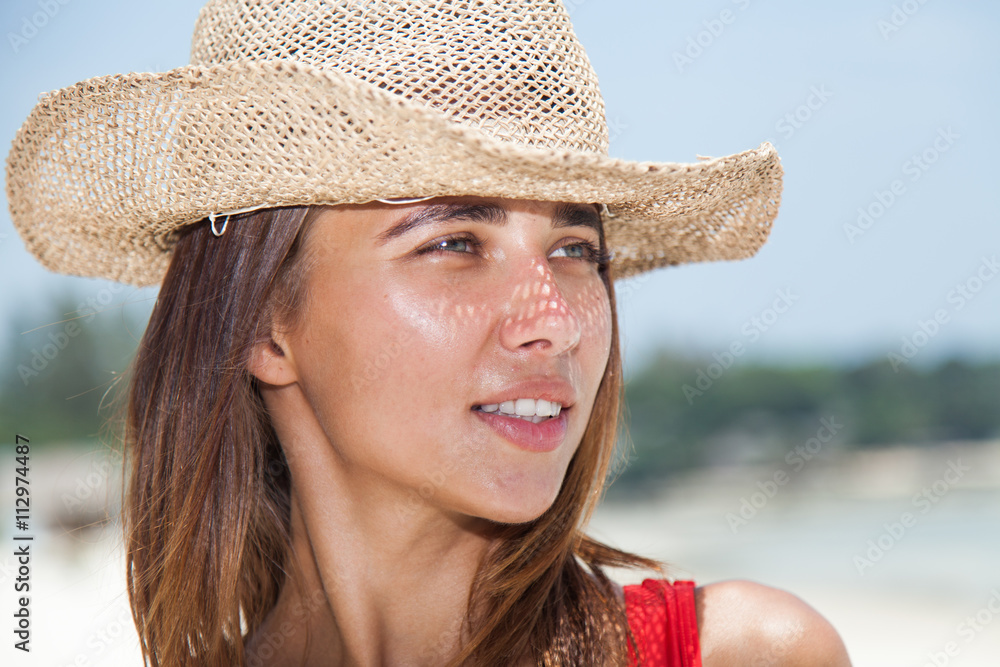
(293,102)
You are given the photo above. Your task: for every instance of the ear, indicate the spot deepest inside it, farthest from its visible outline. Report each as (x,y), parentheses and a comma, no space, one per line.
(271,362)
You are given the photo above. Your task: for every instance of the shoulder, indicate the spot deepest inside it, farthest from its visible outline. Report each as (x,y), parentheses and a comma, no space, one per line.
(745,623)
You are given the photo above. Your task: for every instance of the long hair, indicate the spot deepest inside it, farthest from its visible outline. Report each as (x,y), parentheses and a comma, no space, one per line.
(206,506)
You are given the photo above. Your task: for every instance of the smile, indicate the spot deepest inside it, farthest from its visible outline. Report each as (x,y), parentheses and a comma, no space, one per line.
(528,409)
(533,433)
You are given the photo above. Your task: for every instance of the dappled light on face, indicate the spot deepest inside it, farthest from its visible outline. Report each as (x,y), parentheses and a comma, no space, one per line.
(527,306)
(450,311)
(594,308)
(533,294)
(539,309)
(469,313)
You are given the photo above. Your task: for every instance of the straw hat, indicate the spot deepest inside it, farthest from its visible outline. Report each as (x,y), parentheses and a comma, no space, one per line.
(293,102)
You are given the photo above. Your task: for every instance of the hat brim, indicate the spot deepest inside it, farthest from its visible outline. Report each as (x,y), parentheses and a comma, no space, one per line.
(103,174)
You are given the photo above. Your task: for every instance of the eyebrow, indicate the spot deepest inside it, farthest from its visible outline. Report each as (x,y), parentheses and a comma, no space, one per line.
(566,215)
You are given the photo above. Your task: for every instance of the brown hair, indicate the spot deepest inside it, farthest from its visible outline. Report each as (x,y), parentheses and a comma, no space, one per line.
(207,499)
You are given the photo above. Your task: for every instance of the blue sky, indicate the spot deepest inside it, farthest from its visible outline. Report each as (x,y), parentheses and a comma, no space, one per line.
(861,99)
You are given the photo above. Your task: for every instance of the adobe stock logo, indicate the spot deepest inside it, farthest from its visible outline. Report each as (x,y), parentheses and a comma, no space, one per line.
(47,9)
(915,167)
(900,16)
(752,330)
(957,298)
(796,119)
(72,327)
(970,628)
(702,41)
(924,501)
(796,458)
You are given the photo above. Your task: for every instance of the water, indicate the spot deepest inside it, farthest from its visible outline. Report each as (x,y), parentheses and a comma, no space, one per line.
(902,610)
(898,592)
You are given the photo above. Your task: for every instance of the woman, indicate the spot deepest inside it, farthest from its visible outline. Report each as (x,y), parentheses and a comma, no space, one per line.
(377,398)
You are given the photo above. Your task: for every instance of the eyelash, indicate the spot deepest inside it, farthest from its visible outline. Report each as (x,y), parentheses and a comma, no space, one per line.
(591,252)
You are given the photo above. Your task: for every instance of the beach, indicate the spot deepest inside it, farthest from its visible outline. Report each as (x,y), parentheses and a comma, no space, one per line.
(902,592)
(902,562)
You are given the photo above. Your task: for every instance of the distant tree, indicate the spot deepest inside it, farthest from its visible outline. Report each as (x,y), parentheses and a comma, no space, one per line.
(680,416)
(62,357)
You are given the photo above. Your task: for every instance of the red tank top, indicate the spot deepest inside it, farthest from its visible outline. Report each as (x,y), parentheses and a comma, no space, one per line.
(662,618)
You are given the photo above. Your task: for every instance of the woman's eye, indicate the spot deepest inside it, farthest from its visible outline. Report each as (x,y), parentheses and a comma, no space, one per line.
(460,244)
(581,250)
(584,250)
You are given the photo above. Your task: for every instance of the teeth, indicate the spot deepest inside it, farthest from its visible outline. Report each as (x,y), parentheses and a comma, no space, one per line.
(524,407)
(534,410)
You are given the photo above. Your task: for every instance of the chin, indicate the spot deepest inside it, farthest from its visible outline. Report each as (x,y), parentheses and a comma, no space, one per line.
(518,507)
(513,518)
(508,490)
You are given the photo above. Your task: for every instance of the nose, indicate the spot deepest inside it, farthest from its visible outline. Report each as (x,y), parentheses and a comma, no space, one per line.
(538,315)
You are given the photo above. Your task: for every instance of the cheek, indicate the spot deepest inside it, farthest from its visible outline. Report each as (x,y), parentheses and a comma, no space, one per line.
(439,319)
(438,335)
(384,373)
(409,346)
(419,336)
(592,308)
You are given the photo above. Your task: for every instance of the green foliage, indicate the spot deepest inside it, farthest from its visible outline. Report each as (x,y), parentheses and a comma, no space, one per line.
(758,412)
(58,375)
(61,361)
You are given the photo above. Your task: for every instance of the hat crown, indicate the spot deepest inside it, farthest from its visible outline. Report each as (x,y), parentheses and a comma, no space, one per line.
(513,69)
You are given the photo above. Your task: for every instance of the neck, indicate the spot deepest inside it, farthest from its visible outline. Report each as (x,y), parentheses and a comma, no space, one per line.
(368,584)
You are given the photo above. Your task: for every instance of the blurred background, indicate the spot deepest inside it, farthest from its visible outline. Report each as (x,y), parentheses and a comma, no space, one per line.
(824,418)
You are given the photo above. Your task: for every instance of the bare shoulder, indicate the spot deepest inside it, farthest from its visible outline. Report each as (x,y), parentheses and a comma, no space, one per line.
(745,623)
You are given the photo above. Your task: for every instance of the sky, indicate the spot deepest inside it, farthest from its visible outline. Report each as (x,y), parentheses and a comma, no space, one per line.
(884,114)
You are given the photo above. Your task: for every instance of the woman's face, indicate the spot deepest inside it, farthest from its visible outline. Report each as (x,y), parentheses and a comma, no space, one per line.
(418,315)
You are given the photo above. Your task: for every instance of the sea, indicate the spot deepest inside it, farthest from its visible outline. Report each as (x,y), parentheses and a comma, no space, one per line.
(899,548)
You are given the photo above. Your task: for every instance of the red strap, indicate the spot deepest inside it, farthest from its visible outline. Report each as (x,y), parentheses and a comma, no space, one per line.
(663,621)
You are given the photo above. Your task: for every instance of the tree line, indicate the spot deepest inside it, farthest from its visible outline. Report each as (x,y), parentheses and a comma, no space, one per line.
(64,363)
(758,412)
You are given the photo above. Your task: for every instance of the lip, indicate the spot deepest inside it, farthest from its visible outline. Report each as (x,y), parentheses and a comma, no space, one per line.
(544,436)
(554,391)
